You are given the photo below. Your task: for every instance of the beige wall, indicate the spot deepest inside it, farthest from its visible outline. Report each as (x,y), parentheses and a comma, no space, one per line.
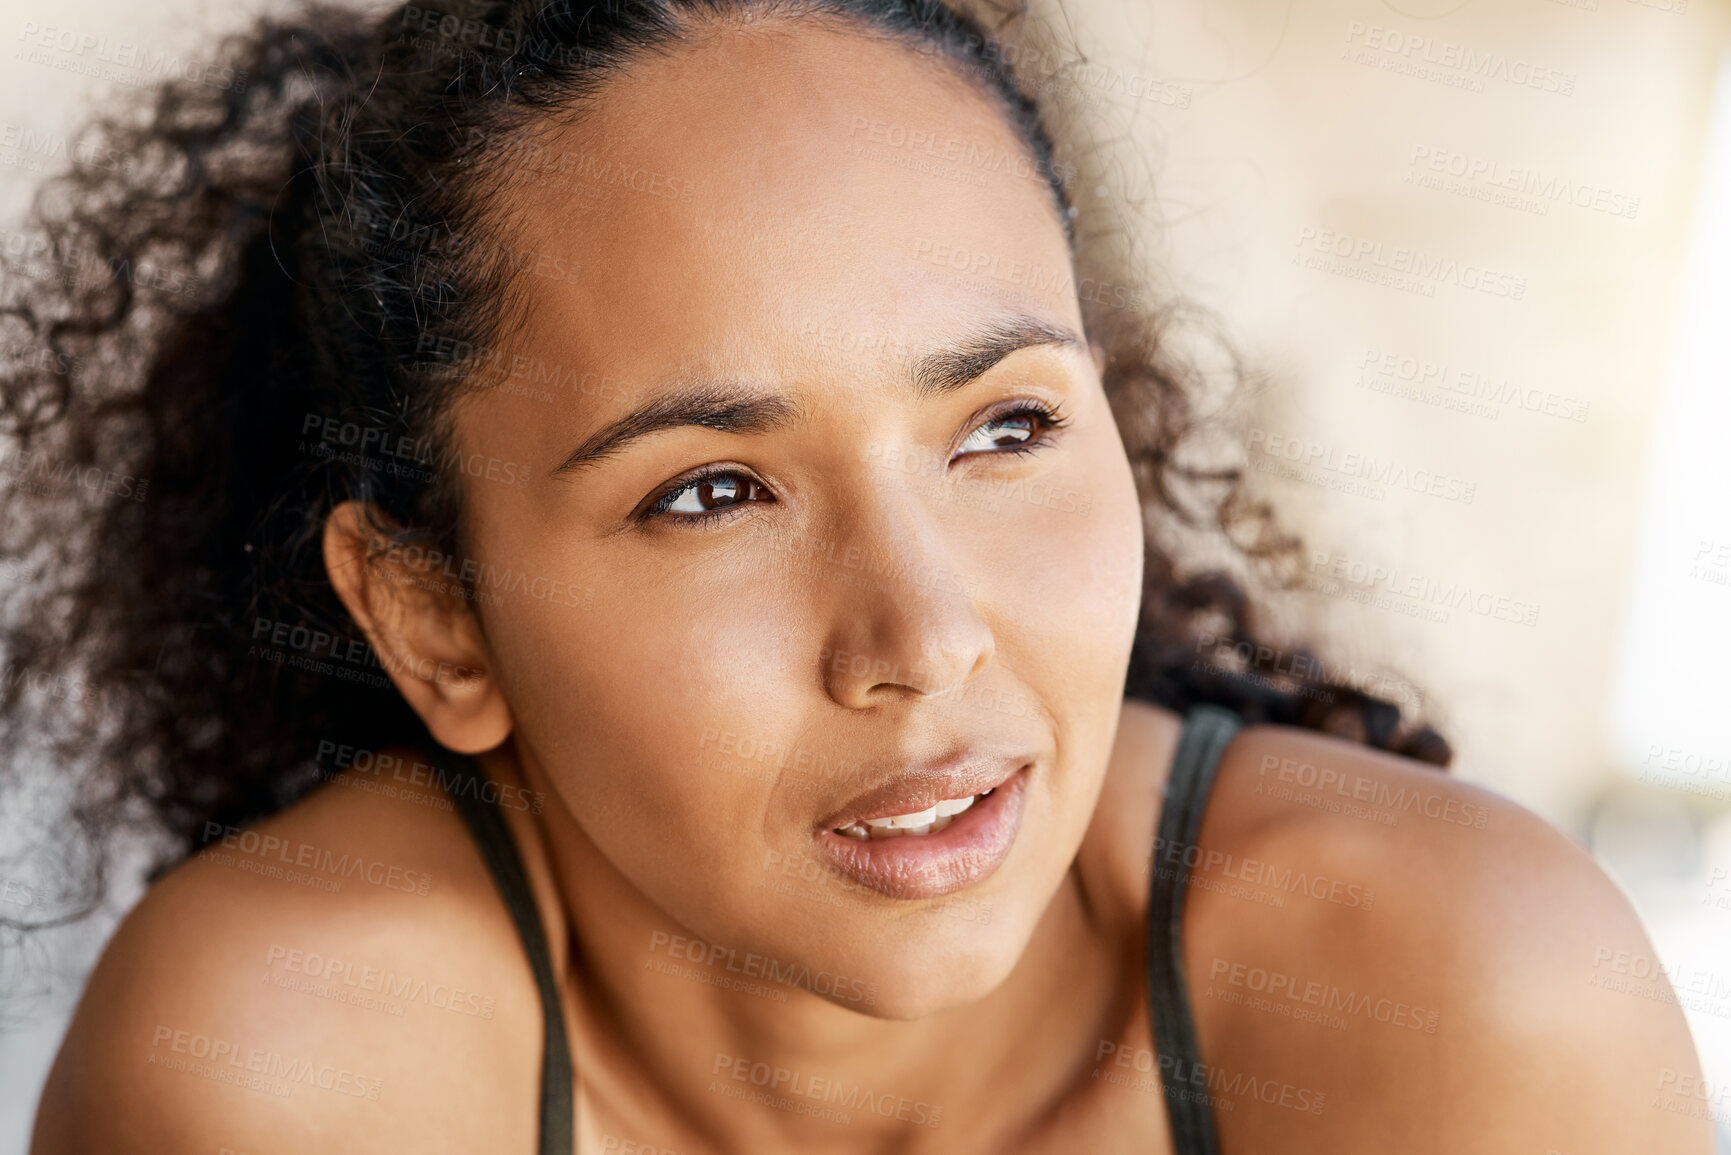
(1290,133)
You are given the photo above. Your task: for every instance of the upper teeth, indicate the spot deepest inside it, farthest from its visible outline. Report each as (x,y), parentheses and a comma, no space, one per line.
(934,817)
(945,809)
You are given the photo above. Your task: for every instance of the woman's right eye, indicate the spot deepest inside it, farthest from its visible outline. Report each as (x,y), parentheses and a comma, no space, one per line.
(709,496)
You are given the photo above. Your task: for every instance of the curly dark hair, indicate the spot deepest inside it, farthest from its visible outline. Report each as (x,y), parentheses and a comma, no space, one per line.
(258,294)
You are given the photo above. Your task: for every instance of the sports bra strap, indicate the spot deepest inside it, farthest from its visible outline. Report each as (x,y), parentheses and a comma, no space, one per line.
(1207,730)
(499,851)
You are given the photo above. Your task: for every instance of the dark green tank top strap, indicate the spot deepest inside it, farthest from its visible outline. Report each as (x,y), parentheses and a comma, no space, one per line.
(493,838)
(1207,730)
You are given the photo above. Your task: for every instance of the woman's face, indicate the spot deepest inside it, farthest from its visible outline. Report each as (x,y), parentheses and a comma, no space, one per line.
(799,547)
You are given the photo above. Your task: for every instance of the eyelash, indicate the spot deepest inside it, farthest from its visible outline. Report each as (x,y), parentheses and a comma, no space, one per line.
(1049,420)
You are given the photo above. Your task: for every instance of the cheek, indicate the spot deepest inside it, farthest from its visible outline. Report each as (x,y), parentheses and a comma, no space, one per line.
(1076,575)
(1117,547)
(1070,602)
(657,723)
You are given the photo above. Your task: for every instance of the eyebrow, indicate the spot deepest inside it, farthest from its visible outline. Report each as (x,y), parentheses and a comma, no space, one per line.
(733,407)
(949,369)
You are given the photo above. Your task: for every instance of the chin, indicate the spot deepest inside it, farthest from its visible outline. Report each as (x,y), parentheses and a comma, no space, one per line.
(952,965)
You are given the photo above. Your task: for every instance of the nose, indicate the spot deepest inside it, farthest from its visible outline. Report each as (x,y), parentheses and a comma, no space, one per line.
(910,626)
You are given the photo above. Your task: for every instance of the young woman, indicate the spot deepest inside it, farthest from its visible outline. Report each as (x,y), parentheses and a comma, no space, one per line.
(757,493)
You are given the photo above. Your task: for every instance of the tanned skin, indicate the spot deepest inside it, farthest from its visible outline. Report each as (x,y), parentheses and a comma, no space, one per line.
(1010,1015)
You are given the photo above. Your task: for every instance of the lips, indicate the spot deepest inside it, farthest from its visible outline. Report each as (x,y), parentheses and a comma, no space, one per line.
(922,790)
(966,851)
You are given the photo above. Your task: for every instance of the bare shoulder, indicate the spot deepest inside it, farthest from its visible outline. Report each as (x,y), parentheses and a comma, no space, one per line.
(341,977)
(1383,957)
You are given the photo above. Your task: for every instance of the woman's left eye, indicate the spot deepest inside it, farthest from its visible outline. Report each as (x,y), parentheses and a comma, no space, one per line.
(710,495)
(1017,431)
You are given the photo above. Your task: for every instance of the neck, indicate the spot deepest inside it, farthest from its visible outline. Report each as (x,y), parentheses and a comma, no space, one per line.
(756,1053)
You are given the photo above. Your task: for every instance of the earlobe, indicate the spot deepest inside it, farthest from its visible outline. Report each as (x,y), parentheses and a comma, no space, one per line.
(421,627)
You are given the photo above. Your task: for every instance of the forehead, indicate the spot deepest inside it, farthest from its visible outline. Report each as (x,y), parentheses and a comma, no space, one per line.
(771,192)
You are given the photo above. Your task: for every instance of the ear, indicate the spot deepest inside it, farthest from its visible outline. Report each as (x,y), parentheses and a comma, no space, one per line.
(413,612)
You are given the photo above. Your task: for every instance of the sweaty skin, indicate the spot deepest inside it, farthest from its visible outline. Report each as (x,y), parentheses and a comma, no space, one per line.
(896,572)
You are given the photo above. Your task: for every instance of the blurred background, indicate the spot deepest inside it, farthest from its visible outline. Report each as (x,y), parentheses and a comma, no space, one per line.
(1478,255)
